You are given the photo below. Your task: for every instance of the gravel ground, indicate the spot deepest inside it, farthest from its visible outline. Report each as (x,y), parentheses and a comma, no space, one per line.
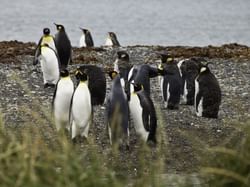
(25,103)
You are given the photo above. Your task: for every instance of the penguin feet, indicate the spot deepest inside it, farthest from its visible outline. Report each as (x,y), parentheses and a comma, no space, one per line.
(46,85)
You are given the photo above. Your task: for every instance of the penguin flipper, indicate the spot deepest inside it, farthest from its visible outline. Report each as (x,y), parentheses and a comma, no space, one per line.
(153,72)
(37,52)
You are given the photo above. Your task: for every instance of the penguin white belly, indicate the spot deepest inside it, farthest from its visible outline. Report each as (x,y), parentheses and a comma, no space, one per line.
(130,73)
(200,108)
(136,113)
(108,42)
(81,111)
(168,96)
(196,92)
(82,41)
(185,92)
(161,86)
(49,65)
(65,89)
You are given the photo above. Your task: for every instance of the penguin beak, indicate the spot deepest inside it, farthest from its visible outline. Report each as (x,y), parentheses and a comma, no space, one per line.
(55,24)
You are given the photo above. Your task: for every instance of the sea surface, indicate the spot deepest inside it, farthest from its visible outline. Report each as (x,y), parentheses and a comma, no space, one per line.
(142,22)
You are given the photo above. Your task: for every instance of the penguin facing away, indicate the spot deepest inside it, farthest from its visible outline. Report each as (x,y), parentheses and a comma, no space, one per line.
(49,65)
(143,113)
(112,40)
(207,94)
(96,83)
(86,39)
(45,39)
(63,46)
(81,109)
(62,100)
(189,69)
(117,113)
(171,84)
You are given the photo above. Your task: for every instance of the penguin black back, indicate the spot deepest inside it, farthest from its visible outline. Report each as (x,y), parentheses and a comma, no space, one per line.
(209,92)
(63,46)
(88,38)
(114,39)
(97,83)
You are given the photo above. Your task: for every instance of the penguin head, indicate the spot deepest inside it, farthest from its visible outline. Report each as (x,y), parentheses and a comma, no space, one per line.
(113,74)
(64,73)
(166,57)
(46,31)
(205,68)
(81,75)
(111,35)
(85,31)
(137,87)
(122,55)
(59,27)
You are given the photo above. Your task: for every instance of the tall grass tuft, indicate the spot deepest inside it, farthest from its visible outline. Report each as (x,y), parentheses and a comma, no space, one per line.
(230,166)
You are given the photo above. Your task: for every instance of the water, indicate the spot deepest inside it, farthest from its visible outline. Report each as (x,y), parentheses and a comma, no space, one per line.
(148,22)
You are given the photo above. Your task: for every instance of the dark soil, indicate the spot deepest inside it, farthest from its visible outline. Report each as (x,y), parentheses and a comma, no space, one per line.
(25,103)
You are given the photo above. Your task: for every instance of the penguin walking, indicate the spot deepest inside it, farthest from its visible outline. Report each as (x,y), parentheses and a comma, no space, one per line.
(189,69)
(207,94)
(81,109)
(62,100)
(86,39)
(171,84)
(143,113)
(45,39)
(112,40)
(63,46)
(117,113)
(49,65)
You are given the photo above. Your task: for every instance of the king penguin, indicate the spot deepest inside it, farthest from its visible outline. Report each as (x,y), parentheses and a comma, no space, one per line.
(142,74)
(62,100)
(45,39)
(81,109)
(49,65)
(112,40)
(117,113)
(63,46)
(189,69)
(171,83)
(207,94)
(86,39)
(143,113)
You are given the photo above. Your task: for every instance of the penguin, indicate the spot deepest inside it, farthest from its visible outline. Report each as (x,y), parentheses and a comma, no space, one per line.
(81,108)
(86,39)
(112,40)
(207,94)
(97,83)
(122,65)
(143,113)
(63,46)
(117,113)
(45,39)
(189,69)
(49,65)
(62,100)
(141,74)
(171,83)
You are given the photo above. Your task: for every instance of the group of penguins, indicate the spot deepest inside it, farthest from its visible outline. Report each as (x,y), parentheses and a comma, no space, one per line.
(187,81)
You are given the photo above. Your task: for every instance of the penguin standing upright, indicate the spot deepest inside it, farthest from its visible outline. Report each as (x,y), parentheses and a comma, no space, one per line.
(49,65)
(142,74)
(171,83)
(117,112)
(207,94)
(112,40)
(45,39)
(189,69)
(81,109)
(143,113)
(86,39)
(63,46)
(122,65)
(62,100)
